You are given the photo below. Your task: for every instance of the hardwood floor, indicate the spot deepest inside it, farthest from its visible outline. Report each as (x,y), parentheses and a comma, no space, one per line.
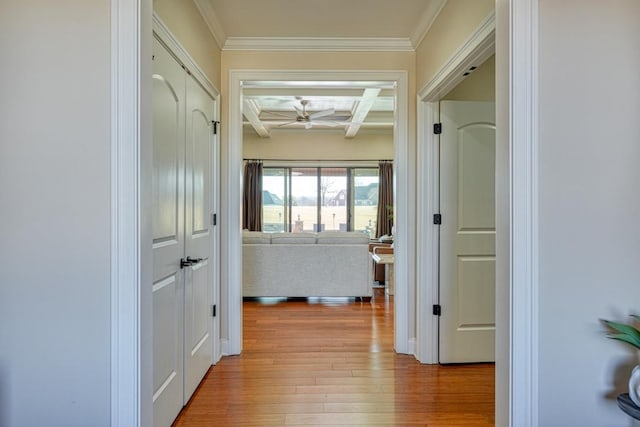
(332,363)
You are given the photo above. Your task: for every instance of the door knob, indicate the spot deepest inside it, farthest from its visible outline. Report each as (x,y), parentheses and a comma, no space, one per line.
(189,261)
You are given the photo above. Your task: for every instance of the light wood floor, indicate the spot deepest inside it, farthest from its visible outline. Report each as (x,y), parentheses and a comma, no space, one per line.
(306,363)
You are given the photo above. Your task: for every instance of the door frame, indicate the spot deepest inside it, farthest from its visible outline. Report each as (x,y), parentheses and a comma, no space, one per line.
(474,51)
(517,106)
(404,177)
(173,45)
(516,200)
(132,27)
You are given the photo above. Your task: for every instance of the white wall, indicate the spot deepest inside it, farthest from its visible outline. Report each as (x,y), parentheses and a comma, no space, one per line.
(589,200)
(54,206)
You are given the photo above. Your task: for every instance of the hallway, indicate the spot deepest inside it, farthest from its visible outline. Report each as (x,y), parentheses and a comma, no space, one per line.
(325,363)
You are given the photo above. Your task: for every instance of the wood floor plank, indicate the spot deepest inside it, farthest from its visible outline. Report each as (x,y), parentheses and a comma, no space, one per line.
(332,363)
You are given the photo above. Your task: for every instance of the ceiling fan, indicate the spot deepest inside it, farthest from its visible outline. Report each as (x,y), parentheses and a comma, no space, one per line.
(310,119)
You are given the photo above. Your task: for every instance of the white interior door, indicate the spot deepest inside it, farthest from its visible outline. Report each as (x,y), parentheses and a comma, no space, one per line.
(467,233)
(198,235)
(168,235)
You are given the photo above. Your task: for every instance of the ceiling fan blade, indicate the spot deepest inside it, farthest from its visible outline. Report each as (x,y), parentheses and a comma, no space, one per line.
(324,113)
(277,113)
(288,124)
(327,123)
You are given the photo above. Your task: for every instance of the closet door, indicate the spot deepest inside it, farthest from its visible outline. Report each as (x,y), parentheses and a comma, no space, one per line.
(168,235)
(198,235)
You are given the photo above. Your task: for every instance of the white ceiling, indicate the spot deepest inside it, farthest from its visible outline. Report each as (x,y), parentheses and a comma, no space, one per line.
(327,19)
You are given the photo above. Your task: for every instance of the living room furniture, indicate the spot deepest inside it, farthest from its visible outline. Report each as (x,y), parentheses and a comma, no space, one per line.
(325,264)
(379,270)
(384,256)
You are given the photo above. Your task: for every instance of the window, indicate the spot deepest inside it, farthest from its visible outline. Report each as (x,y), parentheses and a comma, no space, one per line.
(274,208)
(320,198)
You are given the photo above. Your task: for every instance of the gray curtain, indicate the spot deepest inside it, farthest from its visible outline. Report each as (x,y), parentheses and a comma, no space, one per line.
(252,196)
(384,220)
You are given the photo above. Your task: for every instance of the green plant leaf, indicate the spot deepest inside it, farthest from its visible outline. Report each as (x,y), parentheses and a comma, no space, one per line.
(626,338)
(623,328)
(627,333)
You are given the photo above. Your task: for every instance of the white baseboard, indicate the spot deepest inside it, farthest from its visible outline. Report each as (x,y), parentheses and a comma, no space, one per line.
(411,346)
(224,346)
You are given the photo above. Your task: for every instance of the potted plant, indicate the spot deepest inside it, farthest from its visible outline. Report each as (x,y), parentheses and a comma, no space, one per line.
(631,335)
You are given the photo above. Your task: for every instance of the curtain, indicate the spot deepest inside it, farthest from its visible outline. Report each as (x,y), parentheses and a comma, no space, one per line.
(252,196)
(384,221)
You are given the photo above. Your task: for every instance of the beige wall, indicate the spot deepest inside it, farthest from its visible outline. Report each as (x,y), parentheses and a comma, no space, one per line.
(185,22)
(457,20)
(478,86)
(312,145)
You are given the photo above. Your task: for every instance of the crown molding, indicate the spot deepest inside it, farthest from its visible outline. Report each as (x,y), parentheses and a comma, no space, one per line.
(320,44)
(426,21)
(212,21)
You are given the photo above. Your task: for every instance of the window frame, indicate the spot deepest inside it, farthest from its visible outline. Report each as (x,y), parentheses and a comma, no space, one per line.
(287,224)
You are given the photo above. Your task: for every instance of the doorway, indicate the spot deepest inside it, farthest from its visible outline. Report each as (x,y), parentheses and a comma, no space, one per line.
(480,47)
(232,197)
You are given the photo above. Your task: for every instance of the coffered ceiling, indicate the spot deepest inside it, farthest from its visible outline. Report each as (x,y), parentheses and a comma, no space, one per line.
(346,109)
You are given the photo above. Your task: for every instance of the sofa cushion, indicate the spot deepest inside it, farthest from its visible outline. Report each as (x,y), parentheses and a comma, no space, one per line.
(342,238)
(255,237)
(292,238)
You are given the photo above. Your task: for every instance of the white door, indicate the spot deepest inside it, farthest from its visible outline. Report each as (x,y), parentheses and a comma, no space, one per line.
(198,235)
(467,233)
(168,235)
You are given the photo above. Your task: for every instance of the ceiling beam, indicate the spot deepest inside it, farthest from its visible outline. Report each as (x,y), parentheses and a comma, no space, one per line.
(361,110)
(252,112)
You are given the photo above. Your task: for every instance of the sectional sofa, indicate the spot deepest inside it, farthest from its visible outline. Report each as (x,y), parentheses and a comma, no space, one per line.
(324,264)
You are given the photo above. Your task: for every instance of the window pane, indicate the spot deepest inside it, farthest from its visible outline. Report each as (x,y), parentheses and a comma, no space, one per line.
(365,200)
(333,199)
(273,199)
(304,199)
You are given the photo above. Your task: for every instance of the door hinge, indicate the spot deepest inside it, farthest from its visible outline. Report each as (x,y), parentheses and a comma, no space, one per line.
(437,310)
(213,310)
(214,219)
(437,128)
(437,219)
(216,125)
